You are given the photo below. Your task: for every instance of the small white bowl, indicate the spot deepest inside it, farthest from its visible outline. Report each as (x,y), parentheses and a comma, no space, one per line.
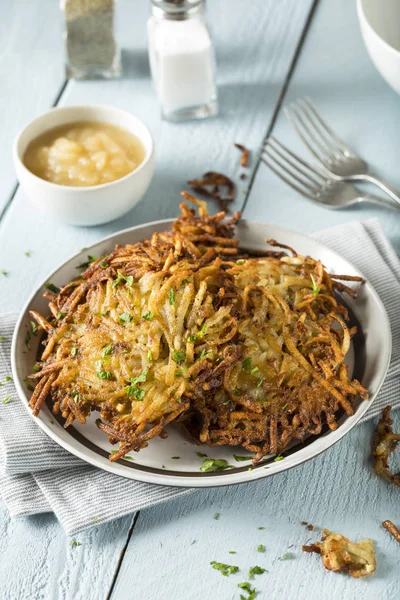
(85,205)
(380,28)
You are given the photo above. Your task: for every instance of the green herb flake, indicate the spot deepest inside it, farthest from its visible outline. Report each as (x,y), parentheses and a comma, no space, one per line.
(214,465)
(52,288)
(51,421)
(255,571)
(184,281)
(5,273)
(134,391)
(149,355)
(73,351)
(28,339)
(107,350)
(261,528)
(8,378)
(34,328)
(104,375)
(2,338)
(232,551)
(259,381)
(75,543)
(192,338)
(202,331)
(254,370)
(240,262)
(217,516)
(246,364)
(223,568)
(75,395)
(140,378)
(127,457)
(261,548)
(6,400)
(125,318)
(171,296)
(28,253)
(85,265)
(179,356)
(201,454)
(96,518)
(61,315)
(241,458)
(278,458)
(204,353)
(286,556)
(175,457)
(315,288)
(284,406)
(148,316)
(103,264)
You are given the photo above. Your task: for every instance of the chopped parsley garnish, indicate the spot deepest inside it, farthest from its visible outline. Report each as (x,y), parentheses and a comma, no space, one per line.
(246,364)
(175,457)
(107,350)
(192,338)
(254,370)
(315,288)
(36,368)
(217,516)
(223,568)
(278,458)
(28,339)
(8,378)
(259,381)
(241,458)
(103,264)
(104,375)
(149,355)
(232,551)
(129,279)
(148,316)
(96,518)
(284,406)
(184,281)
(52,288)
(75,395)
(240,262)
(34,328)
(28,384)
(179,356)
(171,296)
(2,337)
(85,265)
(6,399)
(134,391)
(125,318)
(202,331)
(286,556)
(28,253)
(204,353)
(75,543)
(247,587)
(201,454)
(214,465)
(255,571)
(127,457)
(73,351)
(3,272)
(261,528)
(61,315)
(140,378)
(261,548)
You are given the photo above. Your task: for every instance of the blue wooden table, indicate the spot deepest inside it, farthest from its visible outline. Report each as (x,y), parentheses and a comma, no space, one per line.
(268,53)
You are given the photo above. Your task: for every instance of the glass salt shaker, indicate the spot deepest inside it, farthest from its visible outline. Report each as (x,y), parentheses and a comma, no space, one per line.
(91,48)
(182,59)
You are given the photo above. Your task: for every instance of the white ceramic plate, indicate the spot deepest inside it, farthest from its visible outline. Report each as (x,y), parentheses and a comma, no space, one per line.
(368,360)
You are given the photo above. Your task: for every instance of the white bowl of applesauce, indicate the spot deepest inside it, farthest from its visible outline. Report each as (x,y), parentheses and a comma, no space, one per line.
(84,165)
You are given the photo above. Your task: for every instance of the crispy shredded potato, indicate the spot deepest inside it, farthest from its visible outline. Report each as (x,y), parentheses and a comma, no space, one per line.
(183,328)
(339,554)
(385,442)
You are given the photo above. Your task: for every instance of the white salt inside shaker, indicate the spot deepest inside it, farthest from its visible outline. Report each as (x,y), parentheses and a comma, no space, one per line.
(182,59)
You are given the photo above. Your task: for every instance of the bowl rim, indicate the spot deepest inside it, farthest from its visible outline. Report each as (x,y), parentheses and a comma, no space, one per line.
(364,21)
(82,188)
(213,480)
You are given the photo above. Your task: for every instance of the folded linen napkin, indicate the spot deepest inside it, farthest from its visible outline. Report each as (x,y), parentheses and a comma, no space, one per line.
(37,475)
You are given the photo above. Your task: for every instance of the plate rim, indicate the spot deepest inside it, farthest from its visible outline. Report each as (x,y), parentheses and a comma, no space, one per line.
(207,480)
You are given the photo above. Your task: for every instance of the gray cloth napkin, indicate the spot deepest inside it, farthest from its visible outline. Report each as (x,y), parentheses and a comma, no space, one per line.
(37,475)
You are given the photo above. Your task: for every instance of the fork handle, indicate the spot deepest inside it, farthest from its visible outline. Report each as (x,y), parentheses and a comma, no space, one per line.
(382,185)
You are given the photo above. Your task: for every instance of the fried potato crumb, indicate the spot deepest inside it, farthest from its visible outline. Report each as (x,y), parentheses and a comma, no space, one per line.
(341,555)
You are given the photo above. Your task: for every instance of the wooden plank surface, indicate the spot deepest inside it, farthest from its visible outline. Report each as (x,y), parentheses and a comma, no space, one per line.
(172,545)
(32,73)
(251,75)
(336,72)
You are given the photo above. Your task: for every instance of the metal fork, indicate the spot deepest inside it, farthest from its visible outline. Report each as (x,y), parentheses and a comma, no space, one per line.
(329,150)
(312,182)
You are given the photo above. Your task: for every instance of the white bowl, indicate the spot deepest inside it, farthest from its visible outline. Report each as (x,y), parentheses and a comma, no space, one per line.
(85,205)
(380,28)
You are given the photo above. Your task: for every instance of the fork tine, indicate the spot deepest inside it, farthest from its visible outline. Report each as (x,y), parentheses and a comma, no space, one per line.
(286,180)
(294,118)
(329,142)
(269,151)
(297,161)
(342,146)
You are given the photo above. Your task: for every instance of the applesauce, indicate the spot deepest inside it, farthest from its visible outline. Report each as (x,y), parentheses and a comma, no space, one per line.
(84,153)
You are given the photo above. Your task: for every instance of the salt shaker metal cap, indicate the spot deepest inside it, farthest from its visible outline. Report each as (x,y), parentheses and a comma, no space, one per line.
(176,10)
